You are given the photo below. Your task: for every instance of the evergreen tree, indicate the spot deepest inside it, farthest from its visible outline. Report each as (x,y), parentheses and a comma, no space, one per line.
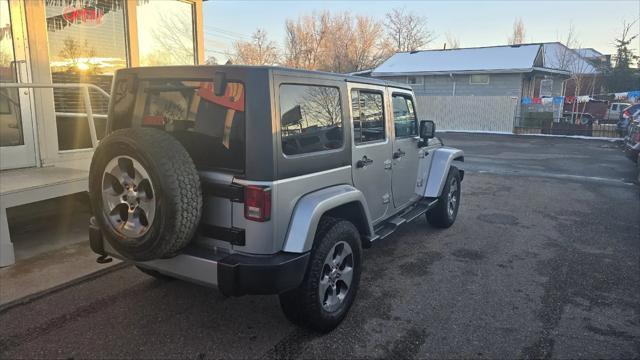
(623,77)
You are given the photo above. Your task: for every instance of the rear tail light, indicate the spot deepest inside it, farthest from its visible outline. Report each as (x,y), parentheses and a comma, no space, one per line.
(257,203)
(626,114)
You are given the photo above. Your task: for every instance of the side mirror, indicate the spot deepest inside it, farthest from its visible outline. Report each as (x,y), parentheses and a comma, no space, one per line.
(427,129)
(219,83)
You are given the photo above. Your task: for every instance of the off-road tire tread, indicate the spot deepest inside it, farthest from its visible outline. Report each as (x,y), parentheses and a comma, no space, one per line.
(180,180)
(438,216)
(301,305)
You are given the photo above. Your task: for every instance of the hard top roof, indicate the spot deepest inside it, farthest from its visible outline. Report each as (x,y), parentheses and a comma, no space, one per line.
(183,69)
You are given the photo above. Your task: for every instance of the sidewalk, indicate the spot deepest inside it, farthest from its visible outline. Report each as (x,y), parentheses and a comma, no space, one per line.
(51,243)
(48,271)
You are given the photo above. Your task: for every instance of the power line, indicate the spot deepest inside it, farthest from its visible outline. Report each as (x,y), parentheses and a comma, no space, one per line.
(226,31)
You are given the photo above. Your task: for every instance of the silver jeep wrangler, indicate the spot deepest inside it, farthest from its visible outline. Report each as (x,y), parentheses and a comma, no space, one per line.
(264,180)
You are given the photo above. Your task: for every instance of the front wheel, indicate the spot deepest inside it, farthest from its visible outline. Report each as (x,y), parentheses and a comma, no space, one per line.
(444,214)
(331,282)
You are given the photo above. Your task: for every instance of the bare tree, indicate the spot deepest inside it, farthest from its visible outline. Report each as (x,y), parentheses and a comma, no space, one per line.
(581,71)
(305,38)
(407,31)
(174,40)
(370,48)
(335,42)
(519,33)
(453,42)
(259,51)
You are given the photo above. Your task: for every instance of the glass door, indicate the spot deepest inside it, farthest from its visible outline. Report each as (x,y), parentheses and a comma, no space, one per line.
(17,148)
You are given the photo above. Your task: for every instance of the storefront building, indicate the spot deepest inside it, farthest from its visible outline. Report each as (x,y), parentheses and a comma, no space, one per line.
(79,41)
(48,48)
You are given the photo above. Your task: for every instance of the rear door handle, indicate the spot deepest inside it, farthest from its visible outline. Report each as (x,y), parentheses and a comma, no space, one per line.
(364,162)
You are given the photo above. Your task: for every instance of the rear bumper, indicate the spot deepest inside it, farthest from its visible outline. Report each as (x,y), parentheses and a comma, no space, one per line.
(233,274)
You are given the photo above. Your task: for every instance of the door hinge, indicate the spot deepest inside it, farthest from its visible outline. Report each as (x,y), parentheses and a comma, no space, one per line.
(420,183)
(387,164)
(385,198)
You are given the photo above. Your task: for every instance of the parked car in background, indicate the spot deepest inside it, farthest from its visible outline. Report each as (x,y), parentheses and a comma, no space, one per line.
(626,117)
(632,141)
(615,110)
(638,167)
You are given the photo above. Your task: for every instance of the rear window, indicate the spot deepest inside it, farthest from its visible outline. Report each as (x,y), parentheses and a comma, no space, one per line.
(212,128)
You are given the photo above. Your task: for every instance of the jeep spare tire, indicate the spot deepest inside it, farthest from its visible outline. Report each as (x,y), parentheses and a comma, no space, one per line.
(145,193)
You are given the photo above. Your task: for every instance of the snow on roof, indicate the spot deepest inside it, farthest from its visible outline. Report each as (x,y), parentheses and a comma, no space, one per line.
(588,52)
(498,58)
(558,56)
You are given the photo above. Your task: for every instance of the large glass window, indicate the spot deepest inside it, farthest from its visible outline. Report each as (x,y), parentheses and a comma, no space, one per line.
(311,119)
(404,116)
(86,45)
(368,116)
(10,121)
(165,33)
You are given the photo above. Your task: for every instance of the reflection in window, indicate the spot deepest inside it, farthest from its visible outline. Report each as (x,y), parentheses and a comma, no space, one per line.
(203,122)
(368,116)
(86,45)
(165,33)
(10,121)
(311,119)
(404,117)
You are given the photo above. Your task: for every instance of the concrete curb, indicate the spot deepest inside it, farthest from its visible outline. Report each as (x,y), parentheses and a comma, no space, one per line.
(82,279)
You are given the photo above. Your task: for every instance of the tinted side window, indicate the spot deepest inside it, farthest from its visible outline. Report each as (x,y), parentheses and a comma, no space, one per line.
(404,116)
(368,116)
(310,118)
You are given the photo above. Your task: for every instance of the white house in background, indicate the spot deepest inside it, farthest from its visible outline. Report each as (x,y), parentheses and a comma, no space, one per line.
(475,89)
(509,70)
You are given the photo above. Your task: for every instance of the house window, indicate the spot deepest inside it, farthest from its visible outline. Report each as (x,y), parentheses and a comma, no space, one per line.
(414,80)
(546,87)
(479,79)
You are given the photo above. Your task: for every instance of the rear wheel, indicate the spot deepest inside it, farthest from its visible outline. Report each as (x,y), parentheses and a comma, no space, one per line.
(331,282)
(444,214)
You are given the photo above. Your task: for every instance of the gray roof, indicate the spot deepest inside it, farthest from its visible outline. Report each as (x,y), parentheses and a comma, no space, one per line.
(494,59)
(558,56)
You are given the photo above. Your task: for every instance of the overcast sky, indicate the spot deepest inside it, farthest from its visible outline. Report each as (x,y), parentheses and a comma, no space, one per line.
(475,23)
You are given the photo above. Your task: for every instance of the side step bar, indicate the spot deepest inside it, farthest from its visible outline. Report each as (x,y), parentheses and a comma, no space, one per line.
(390,226)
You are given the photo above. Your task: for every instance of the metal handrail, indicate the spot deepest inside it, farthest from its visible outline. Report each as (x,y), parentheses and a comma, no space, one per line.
(86,99)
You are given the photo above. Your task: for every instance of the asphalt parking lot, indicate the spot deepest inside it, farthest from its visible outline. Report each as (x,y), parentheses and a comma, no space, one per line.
(543,261)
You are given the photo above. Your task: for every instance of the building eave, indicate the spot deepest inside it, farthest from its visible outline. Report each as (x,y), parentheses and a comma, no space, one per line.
(470,72)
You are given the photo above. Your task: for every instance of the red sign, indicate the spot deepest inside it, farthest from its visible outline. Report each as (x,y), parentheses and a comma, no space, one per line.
(87,15)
